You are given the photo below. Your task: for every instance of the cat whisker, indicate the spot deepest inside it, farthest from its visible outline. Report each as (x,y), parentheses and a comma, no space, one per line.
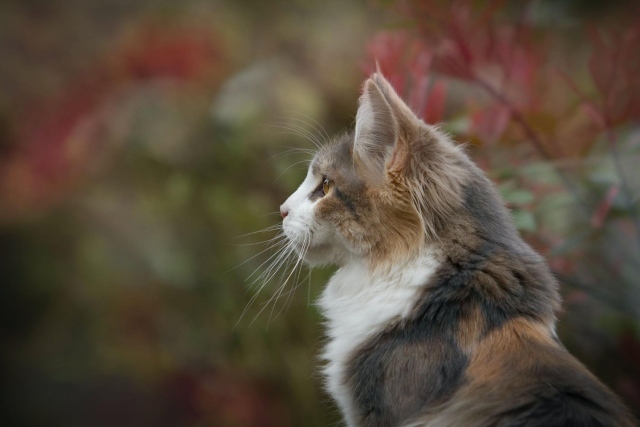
(271,271)
(321,138)
(256,243)
(281,256)
(289,167)
(276,296)
(282,287)
(309,288)
(270,213)
(292,150)
(283,281)
(280,238)
(288,131)
(277,264)
(326,136)
(299,131)
(316,138)
(264,230)
(287,262)
(278,254)
(294,288)
(296,277)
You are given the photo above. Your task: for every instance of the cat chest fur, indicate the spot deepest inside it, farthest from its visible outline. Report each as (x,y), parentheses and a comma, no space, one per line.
(358,304)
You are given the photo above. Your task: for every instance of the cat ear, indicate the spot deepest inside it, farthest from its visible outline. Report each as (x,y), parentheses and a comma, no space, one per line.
(378,144)
(403,113)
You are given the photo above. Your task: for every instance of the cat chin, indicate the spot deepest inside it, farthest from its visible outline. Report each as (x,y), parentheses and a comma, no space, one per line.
(318,255)
(322,254)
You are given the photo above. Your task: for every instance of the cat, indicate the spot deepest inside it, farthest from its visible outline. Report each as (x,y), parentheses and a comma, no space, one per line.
(439,313)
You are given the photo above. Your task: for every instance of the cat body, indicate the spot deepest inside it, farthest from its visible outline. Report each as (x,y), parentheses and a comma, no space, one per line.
(439,313)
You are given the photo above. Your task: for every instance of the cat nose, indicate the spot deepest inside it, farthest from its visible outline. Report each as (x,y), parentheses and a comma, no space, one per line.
(284,212)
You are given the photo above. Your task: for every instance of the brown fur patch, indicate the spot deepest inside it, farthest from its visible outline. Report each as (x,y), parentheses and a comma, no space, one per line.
(520,376)
(470,330)
(496,354)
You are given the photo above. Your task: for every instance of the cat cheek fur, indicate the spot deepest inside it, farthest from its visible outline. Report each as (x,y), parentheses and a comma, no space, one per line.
(299,220)
(314,239)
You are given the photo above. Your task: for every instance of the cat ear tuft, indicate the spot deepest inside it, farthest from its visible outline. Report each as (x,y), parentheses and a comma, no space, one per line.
(377,144)
(401,110)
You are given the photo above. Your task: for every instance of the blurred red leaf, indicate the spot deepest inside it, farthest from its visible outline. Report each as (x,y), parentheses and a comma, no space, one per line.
(56,136)
(603,208)
(435,103)
(614,65)
(387,52)
(159,52)
(406,63)
(594,113)
(490,123)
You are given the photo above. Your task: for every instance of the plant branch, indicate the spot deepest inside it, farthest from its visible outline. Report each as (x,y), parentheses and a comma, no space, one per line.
(534,139)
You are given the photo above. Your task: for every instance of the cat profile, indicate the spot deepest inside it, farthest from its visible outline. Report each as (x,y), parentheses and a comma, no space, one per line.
(439,313)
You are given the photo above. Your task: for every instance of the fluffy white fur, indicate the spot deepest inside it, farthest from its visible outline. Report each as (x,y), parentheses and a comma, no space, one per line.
(300,218)
(358,303)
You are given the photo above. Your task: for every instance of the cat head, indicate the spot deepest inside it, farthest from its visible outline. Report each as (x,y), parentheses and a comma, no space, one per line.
(381,192)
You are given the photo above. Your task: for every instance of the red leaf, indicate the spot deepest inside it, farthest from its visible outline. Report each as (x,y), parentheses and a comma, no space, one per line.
(603,208)
(55,135)
(387,51)
(434,110)
(158,52)
(594,113)
(489,124)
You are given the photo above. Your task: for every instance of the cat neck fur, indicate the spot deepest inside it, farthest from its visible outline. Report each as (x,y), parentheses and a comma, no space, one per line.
(359,301)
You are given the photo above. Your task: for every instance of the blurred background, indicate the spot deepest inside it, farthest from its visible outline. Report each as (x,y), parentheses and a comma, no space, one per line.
(141,142)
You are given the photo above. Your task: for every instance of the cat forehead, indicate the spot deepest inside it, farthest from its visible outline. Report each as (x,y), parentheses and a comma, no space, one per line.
(337,155)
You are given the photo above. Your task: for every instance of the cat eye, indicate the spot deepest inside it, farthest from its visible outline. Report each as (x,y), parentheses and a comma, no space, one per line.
(326,185)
